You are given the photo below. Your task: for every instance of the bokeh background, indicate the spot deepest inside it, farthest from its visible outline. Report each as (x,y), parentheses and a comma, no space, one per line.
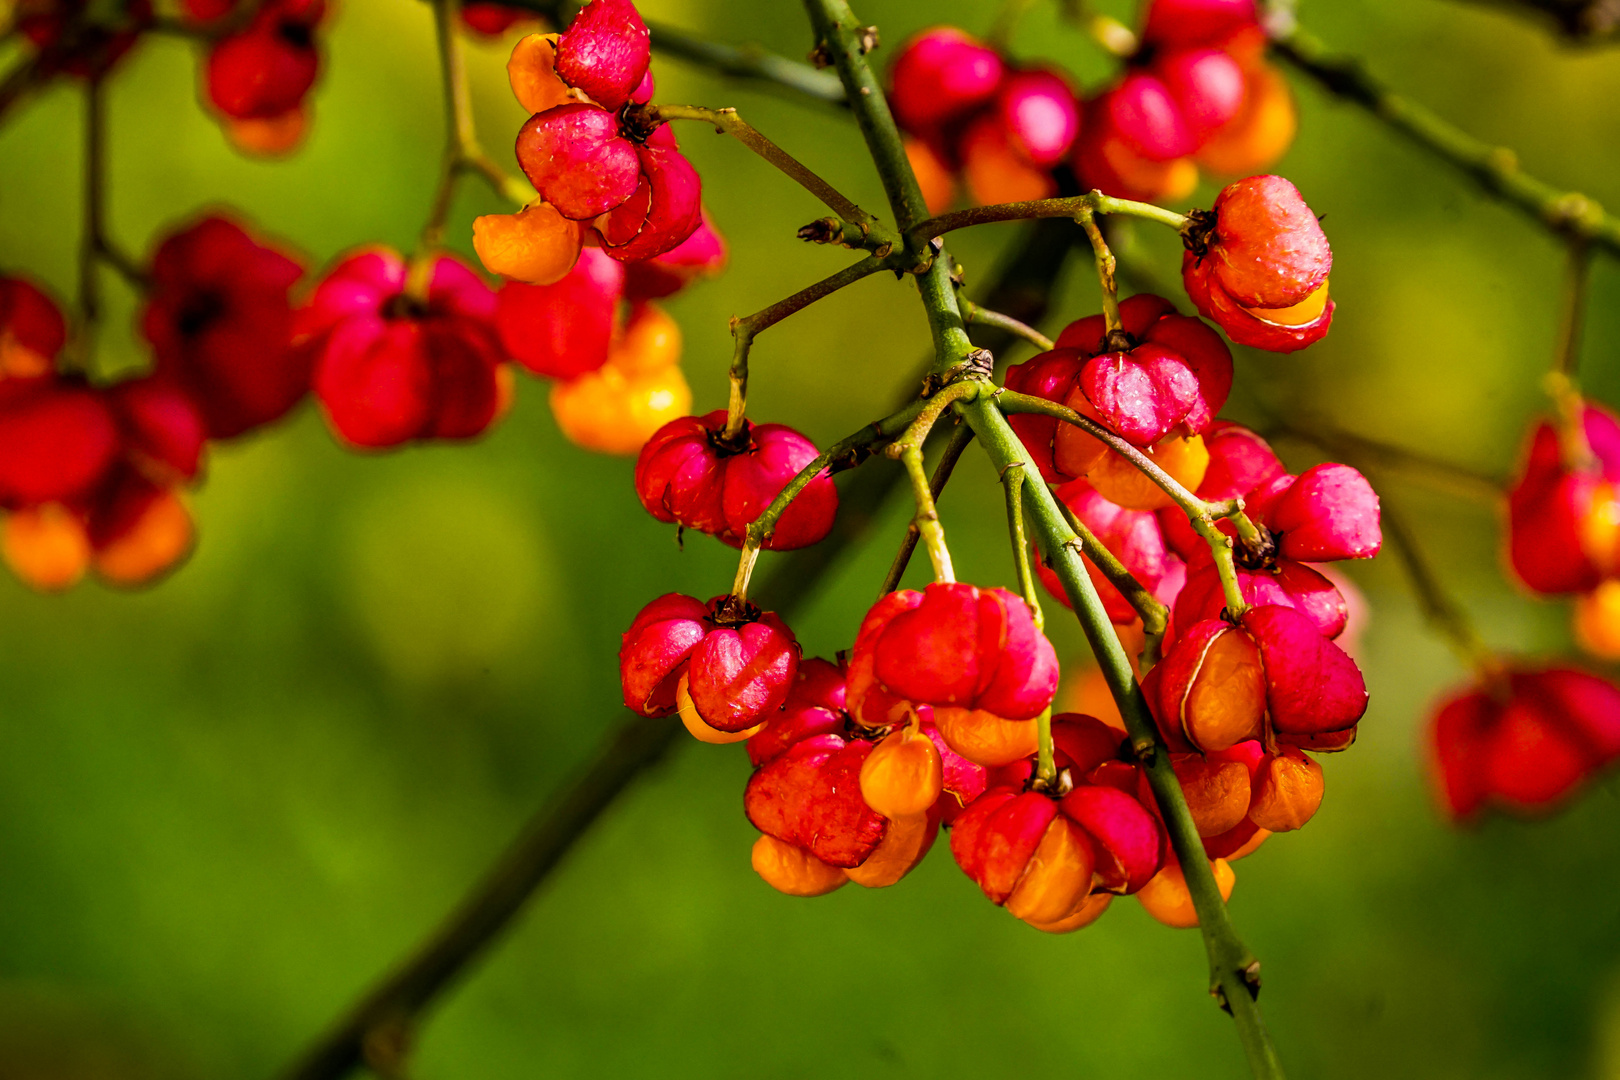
(229,802)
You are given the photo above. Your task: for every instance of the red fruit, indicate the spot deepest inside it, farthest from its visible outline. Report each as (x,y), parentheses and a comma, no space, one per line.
(218,318)
(162,430)
(1144,113)
(138,531)
(1264,128)
(1314,692)
(1564,523)
(962,780)
(995,837)
(594,159)
(793,870)
(810,796)
(32,330)
(690,475)
(814,706)
(940,74)
(1259,266)
(963,647)
(663,211)
(703,254)
(1285,582)
(1288,790)
(1107,159)
(1526,745)
(58,439)
(1127,840)
(564,330)
(389,368)
(605,51)
(738,662)
(1210,690)
(653,652)
(576,159)
(739,674)
(902,848)
(1330,512)
(1133,536)
(1024,854)
(1040,115)
(1174,378)
(1208,87)
(265,70)
(1195,22)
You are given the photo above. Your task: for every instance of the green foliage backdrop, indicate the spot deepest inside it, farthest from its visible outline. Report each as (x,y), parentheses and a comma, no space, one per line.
(229,802)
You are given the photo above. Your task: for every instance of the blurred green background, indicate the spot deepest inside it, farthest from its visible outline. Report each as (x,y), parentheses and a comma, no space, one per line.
(228,803)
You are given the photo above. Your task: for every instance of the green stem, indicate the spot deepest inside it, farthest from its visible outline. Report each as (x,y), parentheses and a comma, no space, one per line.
(1012,482)
(1114,337)
(1069,207)
(1439,608)
(95,165)
(927,521)
(1045,750)
(942,476)
(855,221)
(908,448)
(1496,168)
(975,315)
(744,330)
(841,36)
(1562,383)
(462,152)
(748,62)
(1234,973)
(884,430)
(1201,514)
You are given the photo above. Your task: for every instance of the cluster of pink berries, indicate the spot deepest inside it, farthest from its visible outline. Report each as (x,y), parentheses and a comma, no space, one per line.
(933,717)
(1196,92)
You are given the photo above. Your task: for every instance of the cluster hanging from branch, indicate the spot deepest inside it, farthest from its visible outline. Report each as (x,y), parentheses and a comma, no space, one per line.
(1194,561)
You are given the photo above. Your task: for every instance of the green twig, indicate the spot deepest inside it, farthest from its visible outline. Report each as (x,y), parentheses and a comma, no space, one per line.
(1072,206)
(1114,329)
(1202,515)
(1234,973)
(976,315)
(744,330)
(1441,611)
(462,152)
(942,475)
(908,449)
(859,228)
(1012,482)
(1496,168)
